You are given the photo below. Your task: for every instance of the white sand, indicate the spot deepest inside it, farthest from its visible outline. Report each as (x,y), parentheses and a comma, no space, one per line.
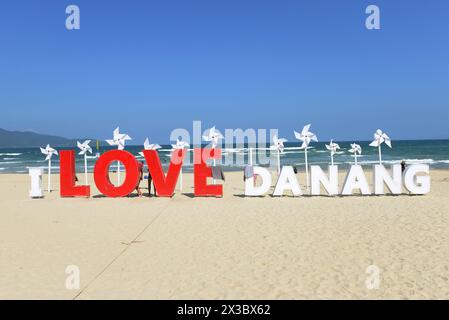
(230,248)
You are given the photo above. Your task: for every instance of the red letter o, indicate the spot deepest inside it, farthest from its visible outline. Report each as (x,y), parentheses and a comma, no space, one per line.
(101,173)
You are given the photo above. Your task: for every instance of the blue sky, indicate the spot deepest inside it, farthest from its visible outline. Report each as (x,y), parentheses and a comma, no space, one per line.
(152,66)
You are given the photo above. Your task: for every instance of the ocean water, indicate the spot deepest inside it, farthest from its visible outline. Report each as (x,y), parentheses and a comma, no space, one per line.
(432,152)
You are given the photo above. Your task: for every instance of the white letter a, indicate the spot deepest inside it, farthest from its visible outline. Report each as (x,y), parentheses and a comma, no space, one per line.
(373,20)
(73,20)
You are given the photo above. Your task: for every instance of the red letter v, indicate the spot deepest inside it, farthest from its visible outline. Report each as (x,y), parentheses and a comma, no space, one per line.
(164,185)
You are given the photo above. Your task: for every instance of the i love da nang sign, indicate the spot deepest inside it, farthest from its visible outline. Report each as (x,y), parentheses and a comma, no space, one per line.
(415,179)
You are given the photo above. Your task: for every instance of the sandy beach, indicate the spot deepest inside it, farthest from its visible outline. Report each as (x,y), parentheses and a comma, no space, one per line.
(229,248)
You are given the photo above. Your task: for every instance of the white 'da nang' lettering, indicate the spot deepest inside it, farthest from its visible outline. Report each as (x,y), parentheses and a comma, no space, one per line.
(287,181)
(356,180)
(253,190)
(329,182)
(415,179)
(392,179)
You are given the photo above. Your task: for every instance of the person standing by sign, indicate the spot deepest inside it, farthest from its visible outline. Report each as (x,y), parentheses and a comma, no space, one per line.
(150,182)
(139,192)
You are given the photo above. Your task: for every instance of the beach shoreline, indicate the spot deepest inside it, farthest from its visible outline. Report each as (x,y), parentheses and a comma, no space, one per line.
(232,247)
(431,152)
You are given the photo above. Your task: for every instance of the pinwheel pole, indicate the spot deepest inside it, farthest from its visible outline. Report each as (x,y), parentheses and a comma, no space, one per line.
(379,138)
(332,147)
(307,167)
(119,141)
(250,156)
(278,144)
(49,152)
(214,164)
(180,180)
(380,153)
(279,161)
(180,171)
(306,137)
(355,149)
(85,168)
(49,175)
(85,148)
(213,136)
(180,175)
(118,173)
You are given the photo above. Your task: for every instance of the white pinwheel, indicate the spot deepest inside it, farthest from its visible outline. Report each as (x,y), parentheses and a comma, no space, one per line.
(178,146)
(118,140)
(356,150)
(306,137)
(379,138)
(278,145)
(332,147)
(149,146)
(213,136)
(49,152)
(85,148)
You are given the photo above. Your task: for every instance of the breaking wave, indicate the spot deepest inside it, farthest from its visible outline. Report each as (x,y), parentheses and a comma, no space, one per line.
(10,154)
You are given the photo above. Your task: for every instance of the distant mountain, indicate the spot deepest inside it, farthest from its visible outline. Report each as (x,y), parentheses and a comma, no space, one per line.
(21,139)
